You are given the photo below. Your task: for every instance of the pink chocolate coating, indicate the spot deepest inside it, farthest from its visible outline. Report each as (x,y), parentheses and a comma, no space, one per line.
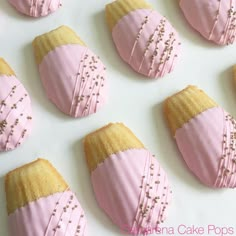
(213,19)
(15,113)
(147,42)
(208,145)
(57,215)
(36,8)
(74,79)
(133,190)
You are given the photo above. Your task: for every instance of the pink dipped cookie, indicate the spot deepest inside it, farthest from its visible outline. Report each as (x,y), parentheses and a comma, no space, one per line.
(36,8)
(40,203)
(143,38)
(15,110)
(205,135)
(73,77)
(215,20)
(129,183)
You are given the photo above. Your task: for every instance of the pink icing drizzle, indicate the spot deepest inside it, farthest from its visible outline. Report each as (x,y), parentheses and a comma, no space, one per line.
(36,8)
(57,215)
(215,20)
(15,113)
(74,79)
(133,190)
(227,168)
(151,45)
(202,142)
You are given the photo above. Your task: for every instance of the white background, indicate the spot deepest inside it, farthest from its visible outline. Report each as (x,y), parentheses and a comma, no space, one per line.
(134,100)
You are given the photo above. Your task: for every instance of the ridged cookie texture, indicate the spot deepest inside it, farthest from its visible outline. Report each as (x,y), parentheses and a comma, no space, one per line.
(40,203)
(215,20)
(129,183)
(36,8)
(144,39)
(73,77)
(206,136)
(234,74)
(15,109)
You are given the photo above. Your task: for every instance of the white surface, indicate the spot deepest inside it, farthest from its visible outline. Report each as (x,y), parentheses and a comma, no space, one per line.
(133,100)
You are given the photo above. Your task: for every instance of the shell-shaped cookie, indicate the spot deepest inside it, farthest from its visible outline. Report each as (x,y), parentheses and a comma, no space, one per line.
(15,110)
(73,77)
(36,8)
(39,202)
(129,183)
(215,20)
(205,135)
(144,39)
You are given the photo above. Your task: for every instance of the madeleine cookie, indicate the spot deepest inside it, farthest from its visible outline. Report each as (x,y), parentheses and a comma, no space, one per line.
(15,110)
(129,183)
(74,78)
(206,136)
(36,8)
(143,38)
(215,20)
(39,202)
